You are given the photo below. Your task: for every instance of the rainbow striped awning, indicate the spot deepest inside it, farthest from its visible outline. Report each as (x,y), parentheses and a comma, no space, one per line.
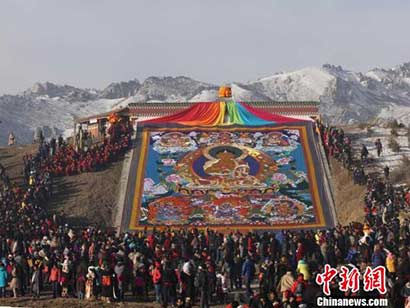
(223,113)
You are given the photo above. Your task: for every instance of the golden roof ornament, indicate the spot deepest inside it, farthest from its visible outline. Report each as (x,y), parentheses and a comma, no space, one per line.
(225,92)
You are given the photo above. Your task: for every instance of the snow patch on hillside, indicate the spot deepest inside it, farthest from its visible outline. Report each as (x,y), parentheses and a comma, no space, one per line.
(205,96)
(305,84)
(388,157)
(394,112)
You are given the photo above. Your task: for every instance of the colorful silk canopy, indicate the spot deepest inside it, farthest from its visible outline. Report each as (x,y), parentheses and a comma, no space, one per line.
(223,113)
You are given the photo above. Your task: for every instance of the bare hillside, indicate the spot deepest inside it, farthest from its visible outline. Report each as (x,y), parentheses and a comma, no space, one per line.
(85,199)
(12,159)
(348,196)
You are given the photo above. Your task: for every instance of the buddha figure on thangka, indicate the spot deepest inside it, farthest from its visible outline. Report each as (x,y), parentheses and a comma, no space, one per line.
(226,177)
(226,167)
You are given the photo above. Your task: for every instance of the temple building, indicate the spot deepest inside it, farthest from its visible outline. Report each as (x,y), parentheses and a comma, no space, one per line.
(95,124)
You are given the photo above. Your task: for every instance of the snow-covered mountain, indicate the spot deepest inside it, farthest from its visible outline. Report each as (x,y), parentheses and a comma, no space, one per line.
(345,97)
(121,89)
(170,89)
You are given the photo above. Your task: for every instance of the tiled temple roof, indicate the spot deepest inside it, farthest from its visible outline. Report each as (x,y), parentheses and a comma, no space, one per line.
(308,108)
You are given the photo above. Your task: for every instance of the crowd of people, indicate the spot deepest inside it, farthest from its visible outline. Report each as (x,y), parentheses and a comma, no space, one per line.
(39,253)
(25,226)
(60,159)
(383,201)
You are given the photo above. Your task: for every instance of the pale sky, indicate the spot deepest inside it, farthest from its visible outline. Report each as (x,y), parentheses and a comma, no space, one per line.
(90,43)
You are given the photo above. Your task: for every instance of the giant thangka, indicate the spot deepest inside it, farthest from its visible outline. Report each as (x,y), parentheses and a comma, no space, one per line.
(255,170)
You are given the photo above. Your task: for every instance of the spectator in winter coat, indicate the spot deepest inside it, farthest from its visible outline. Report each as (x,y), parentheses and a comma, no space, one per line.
(248,274)
(364,152)
(379,147)
(188,278)
(211,280)
(286,282)
(157,280)
(288,300)
(139,284)
(267,281)
(80,286)
(202,285)
(36,281)
(405,292)
(378,257)
(303,268)
(396,296)
(282,268)
(3,280)
(106,283)
(298,288)
(407,197)
(311,293)
(15,283)
(235,272)
(300,252)
(54,279)
(391,263)
(386,171)
(89,284)
(12,139)
(169,282)
(119,272)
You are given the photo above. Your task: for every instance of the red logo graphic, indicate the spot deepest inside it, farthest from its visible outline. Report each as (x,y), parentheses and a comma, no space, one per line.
(350,279)
(325,278)
(375,279)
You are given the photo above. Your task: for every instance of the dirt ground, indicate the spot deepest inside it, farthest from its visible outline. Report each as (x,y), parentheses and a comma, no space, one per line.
(12,159)
(348,196)
(88,198)
(45,302)
(85,199)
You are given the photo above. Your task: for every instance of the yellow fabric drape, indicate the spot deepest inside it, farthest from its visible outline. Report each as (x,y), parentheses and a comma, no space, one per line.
(215,114)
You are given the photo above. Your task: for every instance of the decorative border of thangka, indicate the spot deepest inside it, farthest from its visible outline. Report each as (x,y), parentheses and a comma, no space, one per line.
(318,183)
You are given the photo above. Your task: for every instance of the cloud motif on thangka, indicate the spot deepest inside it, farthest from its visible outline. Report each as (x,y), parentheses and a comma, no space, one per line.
(280,178)
(152,189)
(285,160)
(173,142)
(288,209)
(301,176)
(168,162)
(278,142)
